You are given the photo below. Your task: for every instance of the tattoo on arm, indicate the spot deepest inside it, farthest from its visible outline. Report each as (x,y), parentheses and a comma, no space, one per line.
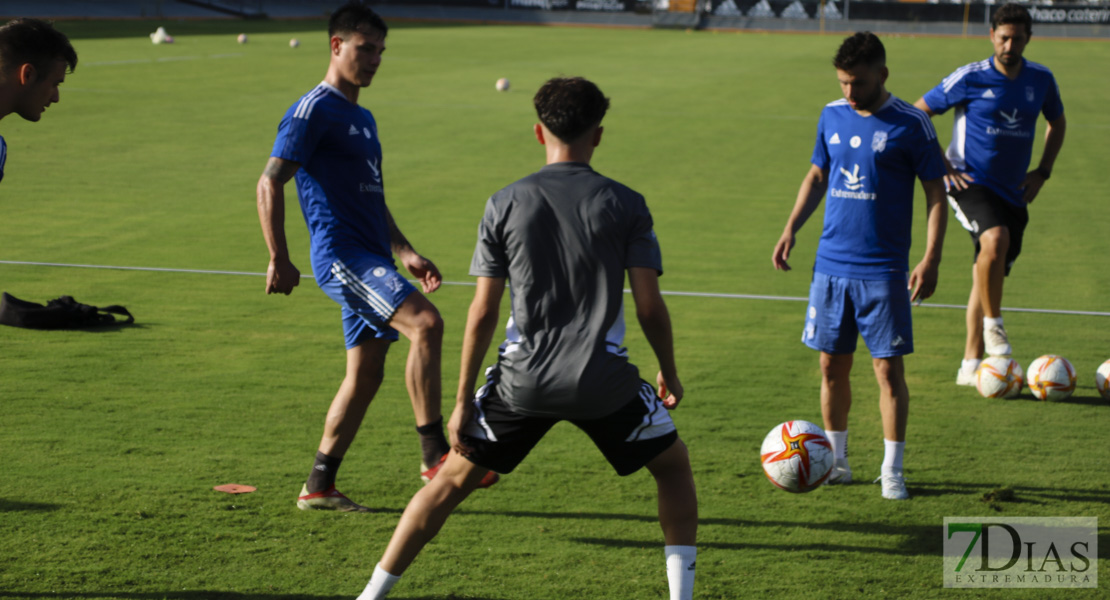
(280,170)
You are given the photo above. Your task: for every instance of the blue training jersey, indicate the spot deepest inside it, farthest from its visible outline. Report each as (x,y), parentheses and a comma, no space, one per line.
(996,121)
(873,162)
(3,156)
(340,179)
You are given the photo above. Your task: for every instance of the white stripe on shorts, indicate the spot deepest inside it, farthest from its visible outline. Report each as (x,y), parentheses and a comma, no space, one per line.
(657,422)
(479,427)
(359,288)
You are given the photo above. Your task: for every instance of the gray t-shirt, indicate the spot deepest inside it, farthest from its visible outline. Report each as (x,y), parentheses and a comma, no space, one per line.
(563,237)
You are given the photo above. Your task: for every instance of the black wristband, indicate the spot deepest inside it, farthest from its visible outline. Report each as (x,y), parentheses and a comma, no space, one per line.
(1045,173)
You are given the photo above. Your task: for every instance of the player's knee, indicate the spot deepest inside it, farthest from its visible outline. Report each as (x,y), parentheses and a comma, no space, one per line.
(995,242)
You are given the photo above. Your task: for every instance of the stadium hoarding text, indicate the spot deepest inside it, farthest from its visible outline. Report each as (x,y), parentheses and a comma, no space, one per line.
(1020,552)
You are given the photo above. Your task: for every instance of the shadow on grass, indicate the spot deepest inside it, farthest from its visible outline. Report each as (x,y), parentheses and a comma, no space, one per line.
(19,506)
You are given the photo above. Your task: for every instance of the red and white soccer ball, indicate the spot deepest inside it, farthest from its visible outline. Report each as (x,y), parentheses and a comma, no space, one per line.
(796,456)
(1051,377)
(1102,380)
(999,377)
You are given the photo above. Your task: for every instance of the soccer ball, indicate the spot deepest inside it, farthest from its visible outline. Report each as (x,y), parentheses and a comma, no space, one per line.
(242,39)
(293,43)
(1102,379)
(796,456)
(999,377)
(1051,377)
(502,85)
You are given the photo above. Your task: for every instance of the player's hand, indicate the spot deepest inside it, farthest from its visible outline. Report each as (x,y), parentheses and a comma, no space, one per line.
(459,418)
(1032,185)
(955,180)
(782,251)
(923,281)
(281,277)
(424,270)
(670,391)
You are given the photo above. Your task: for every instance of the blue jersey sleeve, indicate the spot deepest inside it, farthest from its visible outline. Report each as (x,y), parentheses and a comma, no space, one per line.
(820,156)
(297,137)
(928,162)
(1053,106)
(948,93)
(3,156)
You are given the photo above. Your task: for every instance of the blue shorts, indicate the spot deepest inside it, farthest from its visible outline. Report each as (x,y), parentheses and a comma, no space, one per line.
(842,309)
(370,290)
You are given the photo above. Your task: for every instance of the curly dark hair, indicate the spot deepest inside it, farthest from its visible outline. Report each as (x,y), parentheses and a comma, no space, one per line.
(570,106)
(861,48)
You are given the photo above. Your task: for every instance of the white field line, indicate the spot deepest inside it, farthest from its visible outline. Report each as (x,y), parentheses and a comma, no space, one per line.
(1086,313)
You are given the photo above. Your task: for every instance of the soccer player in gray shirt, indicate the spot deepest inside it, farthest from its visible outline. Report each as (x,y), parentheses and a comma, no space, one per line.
(563,238)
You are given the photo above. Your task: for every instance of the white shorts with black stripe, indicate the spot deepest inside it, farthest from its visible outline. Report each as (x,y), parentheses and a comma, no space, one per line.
(629,437)
(370,290)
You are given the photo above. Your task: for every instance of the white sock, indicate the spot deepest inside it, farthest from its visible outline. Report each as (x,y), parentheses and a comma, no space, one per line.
(680,570)
(970,365)
(380,584)
(892,458)
(839,441)
(989,322)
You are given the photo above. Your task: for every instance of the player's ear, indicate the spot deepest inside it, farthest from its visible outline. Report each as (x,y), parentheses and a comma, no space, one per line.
(597,135)
(883,74)
(26,74)
(538,130)
(336,42)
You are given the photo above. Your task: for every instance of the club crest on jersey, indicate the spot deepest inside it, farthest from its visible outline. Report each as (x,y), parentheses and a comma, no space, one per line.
(1030,94)
(366,132)
(878,141)
(379,271)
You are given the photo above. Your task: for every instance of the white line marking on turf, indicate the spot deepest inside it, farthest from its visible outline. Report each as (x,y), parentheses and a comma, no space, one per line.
(1086,313)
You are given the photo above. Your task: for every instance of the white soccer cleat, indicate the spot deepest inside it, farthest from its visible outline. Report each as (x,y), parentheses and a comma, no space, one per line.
(894,485)
(966,378)
(841,473)
(996,342)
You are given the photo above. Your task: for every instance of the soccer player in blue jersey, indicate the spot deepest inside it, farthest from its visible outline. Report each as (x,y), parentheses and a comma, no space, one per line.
(997,101)
(34,61)
(870,148)
(330,145)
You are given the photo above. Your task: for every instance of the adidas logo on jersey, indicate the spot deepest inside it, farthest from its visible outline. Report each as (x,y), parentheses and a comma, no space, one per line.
(353,130)
(835,139)
(989,94)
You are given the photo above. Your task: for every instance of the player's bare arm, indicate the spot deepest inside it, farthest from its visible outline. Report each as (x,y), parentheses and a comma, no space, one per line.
(813,188)
(1053,142)
(923,278)
(281,275)
(655,321)
(954,180)
(481,324)
(421,268)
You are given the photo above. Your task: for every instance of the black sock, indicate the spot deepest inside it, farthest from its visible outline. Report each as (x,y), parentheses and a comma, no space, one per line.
(322,476)
(433,445)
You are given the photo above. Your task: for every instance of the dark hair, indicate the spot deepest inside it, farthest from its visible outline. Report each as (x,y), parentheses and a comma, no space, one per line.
(861,48)
(570,106)
(353,16)
(34,41)
(1012,14)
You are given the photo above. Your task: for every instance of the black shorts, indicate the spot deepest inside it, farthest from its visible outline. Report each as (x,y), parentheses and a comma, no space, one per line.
(979,209)
(629,438)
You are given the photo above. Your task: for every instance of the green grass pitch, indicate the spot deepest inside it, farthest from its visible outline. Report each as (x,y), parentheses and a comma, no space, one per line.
(112,441)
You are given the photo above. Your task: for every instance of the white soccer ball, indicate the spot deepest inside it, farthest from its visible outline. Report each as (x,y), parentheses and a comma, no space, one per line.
(1102,379)
(502,85)
(293,43)
(1051,377)
(796,456)
(242,39)
(999,377)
